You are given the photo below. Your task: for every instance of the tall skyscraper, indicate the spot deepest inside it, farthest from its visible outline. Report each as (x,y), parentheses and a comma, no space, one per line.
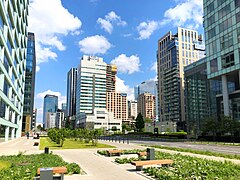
(50,106)
(29,84)
(71,91)
(174,52)
(132,109)
(147,105)
(13,43)
(111,78)
(222,31)
(91,85)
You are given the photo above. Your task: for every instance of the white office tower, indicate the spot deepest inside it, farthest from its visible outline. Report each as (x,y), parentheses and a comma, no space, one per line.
(91,87)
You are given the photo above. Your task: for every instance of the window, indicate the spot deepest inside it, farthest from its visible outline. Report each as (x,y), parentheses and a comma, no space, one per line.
(220,2)
(211,20)
(225,25)
(213,65)
(238,34)
(238,17)
(224,11)
(226,41)
(2,108)
(211,33)
(237,3)
(228,60)
(210,7)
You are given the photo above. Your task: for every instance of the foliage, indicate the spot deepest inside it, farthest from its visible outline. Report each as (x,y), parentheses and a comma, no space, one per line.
(186,167)
(25,166)
(176,133)
(127,160)
(70,144)
(5,165)
(209,153)
(148,120)
(126,127)
(59,135)
(139,123)
(73,168)
(129,151)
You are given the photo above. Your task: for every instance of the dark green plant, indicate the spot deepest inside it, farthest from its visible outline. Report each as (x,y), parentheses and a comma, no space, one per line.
(73,168)
(139,123)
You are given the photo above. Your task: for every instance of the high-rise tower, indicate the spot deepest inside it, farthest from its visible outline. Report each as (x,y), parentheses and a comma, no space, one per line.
(13,53)
(50,106)
(27,123)
(175,51)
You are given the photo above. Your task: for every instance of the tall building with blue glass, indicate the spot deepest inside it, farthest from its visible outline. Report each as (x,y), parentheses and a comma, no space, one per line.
(50,105)
(222,31)
(13,53)
(27,123)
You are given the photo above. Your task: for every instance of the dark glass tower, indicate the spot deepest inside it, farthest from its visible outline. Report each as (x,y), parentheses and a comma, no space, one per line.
(50,105)
(29,88)
(71,91)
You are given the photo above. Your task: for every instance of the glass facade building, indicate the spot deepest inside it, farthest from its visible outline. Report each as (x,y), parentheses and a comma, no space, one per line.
(13,54)
(222,32)
(200,101)
(28,123)
(71,91)
(175,51)
(50,106)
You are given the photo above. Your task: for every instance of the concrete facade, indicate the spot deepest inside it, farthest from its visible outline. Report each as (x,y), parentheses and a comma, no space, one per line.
(147,105)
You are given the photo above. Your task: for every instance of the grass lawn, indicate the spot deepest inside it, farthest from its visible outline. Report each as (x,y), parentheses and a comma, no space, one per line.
(4,165)
(70,144)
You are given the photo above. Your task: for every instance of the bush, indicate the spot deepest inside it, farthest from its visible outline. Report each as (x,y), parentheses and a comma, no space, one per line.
(73,168)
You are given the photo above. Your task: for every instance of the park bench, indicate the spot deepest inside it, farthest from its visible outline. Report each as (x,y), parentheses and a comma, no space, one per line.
(114,152)
(36,144)
(141,154)
(55,170)
(140,164)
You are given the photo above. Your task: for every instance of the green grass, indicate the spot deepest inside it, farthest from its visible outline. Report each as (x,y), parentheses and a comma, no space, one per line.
(25,167)
(209,153)
(215,143)
(4,165)
(70,144)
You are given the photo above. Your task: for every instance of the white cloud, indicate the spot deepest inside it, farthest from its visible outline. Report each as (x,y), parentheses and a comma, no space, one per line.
(126,64)
(110,19)
(94,45)
(146,29)
(121,87)
(106,25)
(186,13)
(50,23)
(39,102)
(37,68)
(154,66)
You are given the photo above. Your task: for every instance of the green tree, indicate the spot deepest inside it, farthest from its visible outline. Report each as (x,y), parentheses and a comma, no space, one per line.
(148,120)
(139,123)
(211,126)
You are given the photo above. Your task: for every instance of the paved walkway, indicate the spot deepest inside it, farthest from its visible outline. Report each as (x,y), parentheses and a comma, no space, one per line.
(95,166)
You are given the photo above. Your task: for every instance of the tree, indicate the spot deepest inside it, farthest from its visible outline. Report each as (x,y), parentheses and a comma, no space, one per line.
(211,126)
(148,120)
(139,123)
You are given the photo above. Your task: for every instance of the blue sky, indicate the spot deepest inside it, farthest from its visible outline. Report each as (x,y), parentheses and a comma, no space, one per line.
(123,32)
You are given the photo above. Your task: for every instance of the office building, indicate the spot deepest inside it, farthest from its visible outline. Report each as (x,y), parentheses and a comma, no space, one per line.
(50,106)
(50,120)
(100,118)
(91,86)
(175,51)
(222,31)
(132,109)
(147,105)
(34,119)
(29,89)
(117,104)
(149,86)
(200,99)
(111,78)
(13,53)
(71,91)
(60,118)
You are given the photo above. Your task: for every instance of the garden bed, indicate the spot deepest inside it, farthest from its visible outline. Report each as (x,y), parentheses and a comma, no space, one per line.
(25,166)
(186,167)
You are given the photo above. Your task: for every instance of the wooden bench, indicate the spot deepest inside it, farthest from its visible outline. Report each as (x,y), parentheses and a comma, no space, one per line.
(141,154)
(114,152)
(36,144)
(139,164)
(55,170)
